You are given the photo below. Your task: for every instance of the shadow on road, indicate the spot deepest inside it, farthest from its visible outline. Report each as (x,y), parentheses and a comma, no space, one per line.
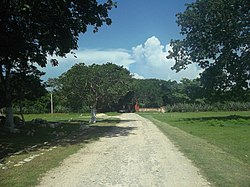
(64,133)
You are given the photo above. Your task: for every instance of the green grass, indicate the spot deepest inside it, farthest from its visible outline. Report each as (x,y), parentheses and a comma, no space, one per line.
(57,116)
(217,142)
(62,141)
(113,113)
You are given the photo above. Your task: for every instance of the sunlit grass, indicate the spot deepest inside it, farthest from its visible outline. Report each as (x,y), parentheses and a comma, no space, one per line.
(228,130)
(217,142)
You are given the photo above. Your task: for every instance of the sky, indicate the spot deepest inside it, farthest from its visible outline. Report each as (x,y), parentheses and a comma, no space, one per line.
(138,39)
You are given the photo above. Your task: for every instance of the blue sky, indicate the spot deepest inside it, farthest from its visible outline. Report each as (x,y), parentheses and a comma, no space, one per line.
(134,21)
(138,39)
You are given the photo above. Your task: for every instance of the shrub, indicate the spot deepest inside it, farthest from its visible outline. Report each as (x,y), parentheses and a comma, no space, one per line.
(194,107)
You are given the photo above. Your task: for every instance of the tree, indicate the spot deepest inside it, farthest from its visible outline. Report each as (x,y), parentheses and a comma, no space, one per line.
(192,89)
(52,86)
(26,85)
(72,87)
(126,103)
(148,92)
(97,86)
(32,30)
(172,92)
(216,37)
(108,83)
(216,89)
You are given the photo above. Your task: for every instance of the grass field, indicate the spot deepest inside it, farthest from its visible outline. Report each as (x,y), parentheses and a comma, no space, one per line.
(47,147)
(217,142)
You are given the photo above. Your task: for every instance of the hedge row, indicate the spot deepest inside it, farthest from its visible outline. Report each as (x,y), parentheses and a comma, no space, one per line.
(230,106)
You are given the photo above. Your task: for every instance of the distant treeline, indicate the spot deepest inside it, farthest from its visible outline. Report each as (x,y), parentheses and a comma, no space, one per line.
(184,96)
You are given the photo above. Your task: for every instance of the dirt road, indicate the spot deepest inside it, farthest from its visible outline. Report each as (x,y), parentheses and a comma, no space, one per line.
(140,155)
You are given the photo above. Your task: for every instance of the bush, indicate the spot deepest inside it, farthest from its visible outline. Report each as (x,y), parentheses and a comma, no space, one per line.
(229,106)
(61,109)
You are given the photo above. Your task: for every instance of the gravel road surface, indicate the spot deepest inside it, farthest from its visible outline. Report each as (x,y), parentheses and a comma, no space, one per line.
(138,154)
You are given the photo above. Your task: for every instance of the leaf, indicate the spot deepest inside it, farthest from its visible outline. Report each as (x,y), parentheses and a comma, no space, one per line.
(54,62)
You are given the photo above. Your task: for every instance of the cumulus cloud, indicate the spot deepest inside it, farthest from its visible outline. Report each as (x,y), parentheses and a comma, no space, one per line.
(147,60)
(118,56)
(151,62)
(94,56)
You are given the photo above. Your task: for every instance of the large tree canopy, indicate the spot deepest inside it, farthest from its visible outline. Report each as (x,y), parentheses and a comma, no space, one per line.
(156,93)
(217,37)
(148,92)
(32,30)
(99,86)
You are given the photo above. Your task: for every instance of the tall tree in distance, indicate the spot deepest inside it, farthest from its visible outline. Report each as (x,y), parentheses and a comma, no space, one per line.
(72,88)
(148,92)
(217,38)
(95,86)
(32,30)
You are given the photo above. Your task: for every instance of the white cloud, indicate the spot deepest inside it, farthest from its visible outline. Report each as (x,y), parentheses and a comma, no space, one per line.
(94,56)
(151,62)
(118,56)
(146,60)
(137,76)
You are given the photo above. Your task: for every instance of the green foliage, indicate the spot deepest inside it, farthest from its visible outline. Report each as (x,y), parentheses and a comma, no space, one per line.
(108,83)
(72,93)
(127,102)
(157,93)
(217,39)
(38,106)
(204,107)
(148,92)
(32,30)
(217,87)
(101,86)
(27,89)
(27,86)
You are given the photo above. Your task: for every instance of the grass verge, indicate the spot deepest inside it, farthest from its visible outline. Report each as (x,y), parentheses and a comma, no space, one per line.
(24,158)
(217,143)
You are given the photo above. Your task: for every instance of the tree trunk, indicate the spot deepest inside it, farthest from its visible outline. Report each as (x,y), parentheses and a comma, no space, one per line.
(21,112)
(93,108)
(93,114)
(9,123)
(2,84)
